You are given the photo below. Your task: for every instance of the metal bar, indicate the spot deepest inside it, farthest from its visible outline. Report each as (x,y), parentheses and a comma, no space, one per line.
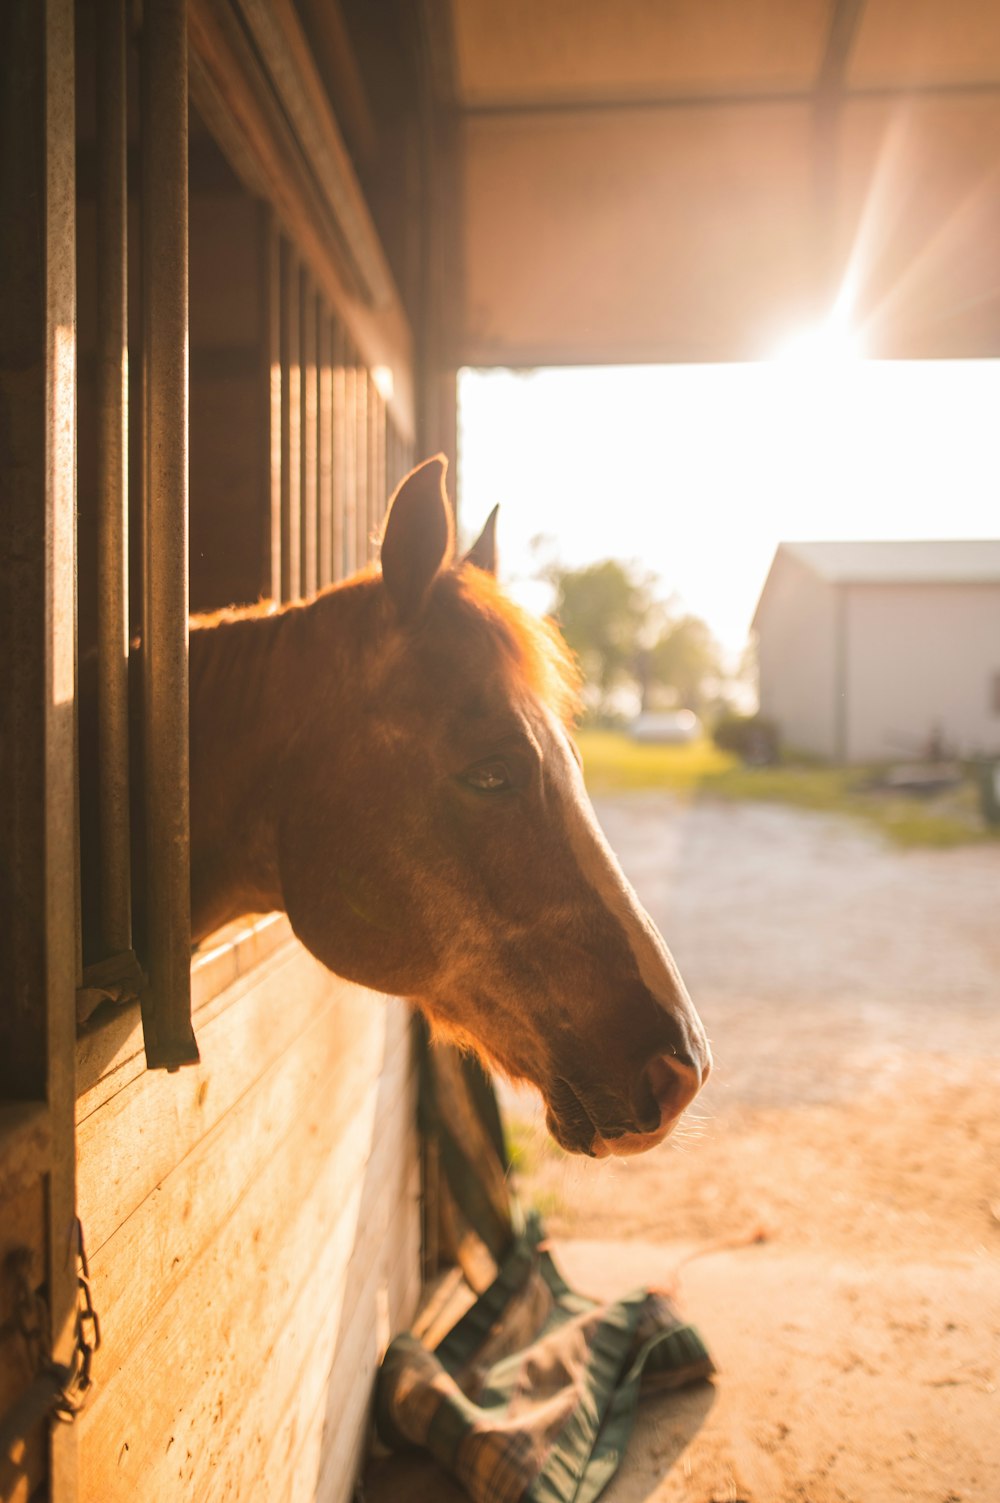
(112,480)
(394,459)
(324,459)
(361,465)
(378,483)
(62,915)
(339,447)
(272,294)
(39,935)
(169,1037)
(350,461)
(291,426)
(310,435)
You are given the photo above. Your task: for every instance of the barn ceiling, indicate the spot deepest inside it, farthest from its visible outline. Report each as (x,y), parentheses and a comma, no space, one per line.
(695,179)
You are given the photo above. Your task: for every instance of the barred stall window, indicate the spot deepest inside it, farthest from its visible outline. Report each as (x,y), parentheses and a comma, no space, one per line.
(244,444)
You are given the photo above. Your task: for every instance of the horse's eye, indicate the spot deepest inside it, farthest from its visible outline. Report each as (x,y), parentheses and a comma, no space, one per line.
(488,777)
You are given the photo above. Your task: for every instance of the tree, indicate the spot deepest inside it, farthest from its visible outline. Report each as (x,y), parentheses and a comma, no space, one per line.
(684,659)
(625,638)
(605,613)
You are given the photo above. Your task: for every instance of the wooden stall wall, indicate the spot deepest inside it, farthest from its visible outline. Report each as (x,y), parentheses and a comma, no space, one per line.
(254,1232)
(253,1221)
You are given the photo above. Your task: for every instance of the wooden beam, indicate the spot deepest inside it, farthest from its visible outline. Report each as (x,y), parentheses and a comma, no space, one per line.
(265,104)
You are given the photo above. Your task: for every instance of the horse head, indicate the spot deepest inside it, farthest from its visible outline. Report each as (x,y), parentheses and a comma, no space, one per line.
(436,840)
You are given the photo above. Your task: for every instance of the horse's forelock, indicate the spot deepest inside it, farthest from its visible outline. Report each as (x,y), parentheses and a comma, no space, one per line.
(531,648)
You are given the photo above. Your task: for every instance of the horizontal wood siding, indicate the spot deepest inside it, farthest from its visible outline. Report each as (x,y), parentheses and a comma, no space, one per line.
(253,1227)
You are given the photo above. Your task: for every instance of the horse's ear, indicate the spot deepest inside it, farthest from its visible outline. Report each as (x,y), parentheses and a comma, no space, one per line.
(483,552)
(418,539)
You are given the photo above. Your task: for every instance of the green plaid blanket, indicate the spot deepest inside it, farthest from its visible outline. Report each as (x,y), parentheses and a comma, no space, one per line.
(531,1397)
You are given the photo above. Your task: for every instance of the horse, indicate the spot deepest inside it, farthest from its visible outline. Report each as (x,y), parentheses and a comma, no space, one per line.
(391,764)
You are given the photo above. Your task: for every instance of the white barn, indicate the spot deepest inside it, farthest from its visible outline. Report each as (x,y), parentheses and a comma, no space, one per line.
(871,650)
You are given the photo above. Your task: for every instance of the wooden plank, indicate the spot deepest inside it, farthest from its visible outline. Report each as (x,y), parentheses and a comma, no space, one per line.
(327,1363)
(292,69)
(233,87)
(220,1331)
(235,952)
(128,1147)
(339,1432)
(226,308)
(324,1357)
(138,1268)
(327,1466)
(228,475)
(278,1430)
(25,1145)
(110,1055)
(22,1224)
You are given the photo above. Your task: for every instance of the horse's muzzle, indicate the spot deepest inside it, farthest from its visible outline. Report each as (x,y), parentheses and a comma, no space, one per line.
(669,1085)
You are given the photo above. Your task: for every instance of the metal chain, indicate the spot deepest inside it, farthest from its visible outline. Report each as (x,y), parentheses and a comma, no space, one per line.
(30,1318)
(75,1390)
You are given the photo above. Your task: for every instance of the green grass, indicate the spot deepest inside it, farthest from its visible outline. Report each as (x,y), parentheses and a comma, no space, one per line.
(613,763)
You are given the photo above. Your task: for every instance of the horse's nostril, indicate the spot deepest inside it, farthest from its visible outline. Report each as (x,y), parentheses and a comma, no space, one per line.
(646,1113)
(674,1083)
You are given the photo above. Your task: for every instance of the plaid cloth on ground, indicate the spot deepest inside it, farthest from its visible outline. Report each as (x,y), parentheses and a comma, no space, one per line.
(530,1398)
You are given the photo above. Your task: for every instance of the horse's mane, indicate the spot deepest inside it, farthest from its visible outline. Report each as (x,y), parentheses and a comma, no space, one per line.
(531,649)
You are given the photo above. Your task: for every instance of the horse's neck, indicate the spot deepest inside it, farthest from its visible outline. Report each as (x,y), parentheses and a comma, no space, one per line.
(242,673)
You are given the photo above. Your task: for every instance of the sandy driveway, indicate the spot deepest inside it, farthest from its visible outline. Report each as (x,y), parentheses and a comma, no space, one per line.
(852,993)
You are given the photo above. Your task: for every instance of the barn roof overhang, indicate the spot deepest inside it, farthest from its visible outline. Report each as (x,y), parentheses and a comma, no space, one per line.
(665,180)
(908,561)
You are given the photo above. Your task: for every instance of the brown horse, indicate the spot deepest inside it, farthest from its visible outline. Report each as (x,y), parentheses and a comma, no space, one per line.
(390,763)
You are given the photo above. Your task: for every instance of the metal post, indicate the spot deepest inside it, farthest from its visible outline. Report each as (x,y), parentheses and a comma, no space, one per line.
(376,466)
(112,480)
(391,459)
(272,293)
(310,436)
(361,465)
(291,426)
(167,1013)
(61,853)
(324,358)
(350,460)
(339,448)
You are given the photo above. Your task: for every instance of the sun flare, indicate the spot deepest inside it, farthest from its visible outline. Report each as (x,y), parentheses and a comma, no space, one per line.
(823,346)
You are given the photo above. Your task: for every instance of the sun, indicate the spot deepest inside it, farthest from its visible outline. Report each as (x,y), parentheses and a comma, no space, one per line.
(824,346)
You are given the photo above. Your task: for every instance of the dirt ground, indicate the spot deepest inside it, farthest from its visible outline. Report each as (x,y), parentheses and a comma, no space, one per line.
(852,994)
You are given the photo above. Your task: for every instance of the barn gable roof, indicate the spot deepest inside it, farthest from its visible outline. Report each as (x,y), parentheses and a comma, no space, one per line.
(902,561)
(923,561)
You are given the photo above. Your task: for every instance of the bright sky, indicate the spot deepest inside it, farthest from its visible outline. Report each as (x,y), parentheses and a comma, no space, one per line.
(698,472)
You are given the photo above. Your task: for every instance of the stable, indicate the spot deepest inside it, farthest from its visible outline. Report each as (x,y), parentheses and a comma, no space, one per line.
(869,650)
(248,244)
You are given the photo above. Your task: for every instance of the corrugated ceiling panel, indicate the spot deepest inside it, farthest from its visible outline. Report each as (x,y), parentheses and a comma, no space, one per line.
(636,235)
(919,224)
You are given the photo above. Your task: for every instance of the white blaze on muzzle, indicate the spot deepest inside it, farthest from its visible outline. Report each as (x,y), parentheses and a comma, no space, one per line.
(600,870)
